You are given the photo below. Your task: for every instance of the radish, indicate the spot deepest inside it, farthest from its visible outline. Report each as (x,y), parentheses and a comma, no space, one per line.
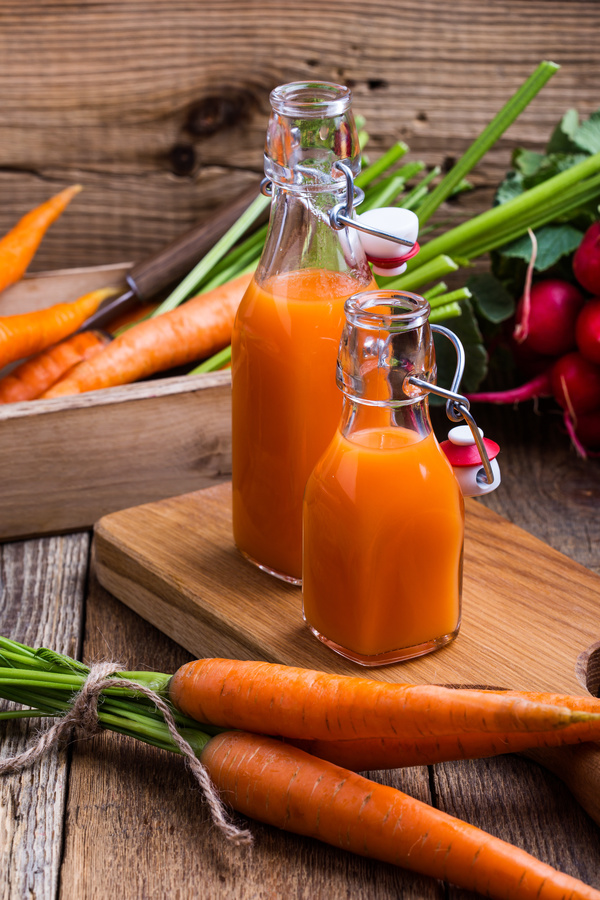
(540,386)
(586,260)
(587,429)
(546,317)
(576,384)
(572,380)
(587,330)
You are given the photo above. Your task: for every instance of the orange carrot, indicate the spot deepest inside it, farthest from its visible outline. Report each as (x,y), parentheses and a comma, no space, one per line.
(398,753)
(300,703)
(196,329)
(18,246)
(24,335)
(285,787)
(391,753)
(131,317)
(40,372)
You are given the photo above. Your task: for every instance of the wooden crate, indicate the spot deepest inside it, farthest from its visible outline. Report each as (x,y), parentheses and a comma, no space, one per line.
(67,462)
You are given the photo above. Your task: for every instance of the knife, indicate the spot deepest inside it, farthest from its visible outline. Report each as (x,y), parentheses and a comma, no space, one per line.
(172,263)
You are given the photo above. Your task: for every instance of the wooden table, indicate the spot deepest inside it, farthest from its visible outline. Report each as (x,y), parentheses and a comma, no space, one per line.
(108,817)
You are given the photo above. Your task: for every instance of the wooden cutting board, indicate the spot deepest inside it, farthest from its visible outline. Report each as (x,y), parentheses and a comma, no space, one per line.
(529,612)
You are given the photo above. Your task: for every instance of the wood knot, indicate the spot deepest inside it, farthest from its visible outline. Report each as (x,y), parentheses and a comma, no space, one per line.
(217,112)
(182,159)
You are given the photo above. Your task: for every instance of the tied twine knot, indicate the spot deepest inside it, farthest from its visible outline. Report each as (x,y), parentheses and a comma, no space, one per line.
(83,718)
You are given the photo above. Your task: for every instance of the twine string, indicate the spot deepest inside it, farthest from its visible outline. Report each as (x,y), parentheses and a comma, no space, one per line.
(83,717)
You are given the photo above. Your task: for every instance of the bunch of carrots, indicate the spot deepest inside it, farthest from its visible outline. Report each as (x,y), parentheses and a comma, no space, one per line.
(52,347)
(283,746)
(195,321)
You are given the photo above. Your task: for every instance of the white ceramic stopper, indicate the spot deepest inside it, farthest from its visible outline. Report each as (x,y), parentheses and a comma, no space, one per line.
(470,485)
(402,223)
(462,435)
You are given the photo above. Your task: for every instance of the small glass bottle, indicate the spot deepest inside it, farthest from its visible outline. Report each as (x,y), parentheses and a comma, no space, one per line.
(383,511)
(285,404)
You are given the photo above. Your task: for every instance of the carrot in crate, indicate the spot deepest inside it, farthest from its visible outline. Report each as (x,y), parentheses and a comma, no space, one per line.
(38,373)
(25,334)
(18,246)
(194,330)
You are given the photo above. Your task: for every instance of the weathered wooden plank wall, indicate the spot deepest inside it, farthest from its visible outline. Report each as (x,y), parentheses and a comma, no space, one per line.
(158,107)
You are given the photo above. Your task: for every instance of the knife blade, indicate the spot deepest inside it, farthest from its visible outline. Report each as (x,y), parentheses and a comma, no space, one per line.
(172,263)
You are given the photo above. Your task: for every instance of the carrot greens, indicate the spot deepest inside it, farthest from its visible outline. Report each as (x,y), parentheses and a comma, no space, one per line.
(280,783)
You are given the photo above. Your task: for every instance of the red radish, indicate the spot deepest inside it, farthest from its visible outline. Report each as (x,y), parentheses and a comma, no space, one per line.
(540,386)
(586,260)
(587,429)
(576,384)
(587,330)
(528,363)
(546,324)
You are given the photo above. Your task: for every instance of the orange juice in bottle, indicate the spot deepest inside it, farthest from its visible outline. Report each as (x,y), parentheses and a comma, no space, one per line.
(285,404)
(383,511)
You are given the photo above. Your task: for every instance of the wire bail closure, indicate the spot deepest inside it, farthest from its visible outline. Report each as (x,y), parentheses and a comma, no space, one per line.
(457,405)
(341,216)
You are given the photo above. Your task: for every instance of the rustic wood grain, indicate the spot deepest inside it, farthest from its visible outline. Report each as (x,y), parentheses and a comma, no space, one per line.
(59,286)
(159,108)
(514,800)
(136,825)
(42,590)
(175,563)
(70,460)
(546,488)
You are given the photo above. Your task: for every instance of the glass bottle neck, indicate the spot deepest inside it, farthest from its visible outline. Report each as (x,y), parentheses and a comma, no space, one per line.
(385,343)
(358,417)
(300,235)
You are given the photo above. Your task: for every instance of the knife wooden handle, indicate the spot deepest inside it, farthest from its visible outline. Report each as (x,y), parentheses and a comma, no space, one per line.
(178,258)
(579,767)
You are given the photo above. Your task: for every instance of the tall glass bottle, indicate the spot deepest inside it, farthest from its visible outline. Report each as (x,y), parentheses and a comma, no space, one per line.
(383,510)
(285,339)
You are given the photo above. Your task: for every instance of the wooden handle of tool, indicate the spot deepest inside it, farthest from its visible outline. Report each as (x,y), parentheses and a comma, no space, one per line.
(579,767)
(178,258)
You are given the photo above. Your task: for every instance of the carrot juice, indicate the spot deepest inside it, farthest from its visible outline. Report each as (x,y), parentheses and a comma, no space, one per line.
(285,406)
(383,538)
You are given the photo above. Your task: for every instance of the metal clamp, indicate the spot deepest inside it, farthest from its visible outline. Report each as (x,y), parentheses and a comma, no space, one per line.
(341,215)
(457,406)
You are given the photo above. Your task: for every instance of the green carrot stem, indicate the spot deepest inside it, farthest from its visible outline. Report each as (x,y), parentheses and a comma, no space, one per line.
(248,249)
(73,681)
(450,311)
(9,644)
(23,714)
(213,363)
(434,291)
(388,190)
(560,193)
(190,283)
(149,728)
(432,270)
(488,137)
(451,297)
(553,209)
(249,259)
(420,190)
(381,165)
(226,276)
